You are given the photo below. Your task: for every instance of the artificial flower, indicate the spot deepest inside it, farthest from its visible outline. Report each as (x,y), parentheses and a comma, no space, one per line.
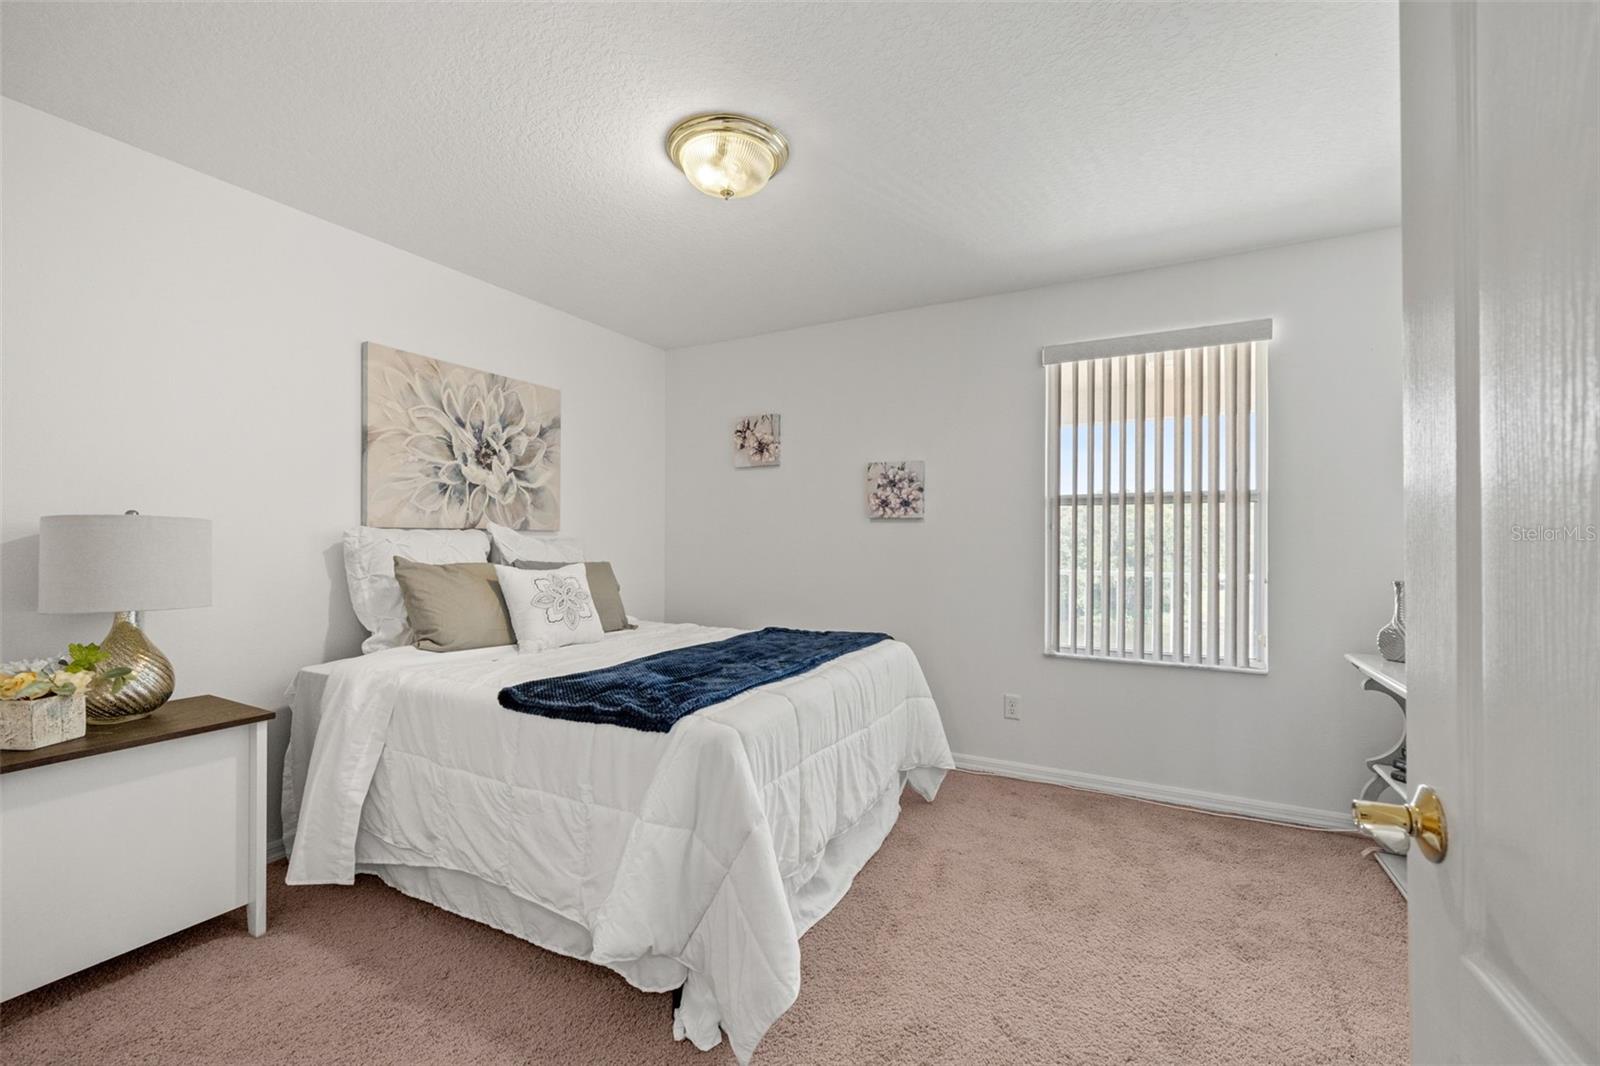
(37,666)
(12,684)
(76,680)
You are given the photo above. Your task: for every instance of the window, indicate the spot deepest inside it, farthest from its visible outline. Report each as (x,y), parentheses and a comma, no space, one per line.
(1158,478)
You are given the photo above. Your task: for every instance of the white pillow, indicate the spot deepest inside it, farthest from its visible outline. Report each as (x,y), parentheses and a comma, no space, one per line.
(369,568)
(518,545)
(550,608)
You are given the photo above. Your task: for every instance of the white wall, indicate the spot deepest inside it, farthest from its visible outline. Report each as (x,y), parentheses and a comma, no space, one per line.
(960,385)
(180,346)
(176,344)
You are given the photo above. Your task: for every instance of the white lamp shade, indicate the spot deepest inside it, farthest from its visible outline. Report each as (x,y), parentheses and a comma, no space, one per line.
(93,563)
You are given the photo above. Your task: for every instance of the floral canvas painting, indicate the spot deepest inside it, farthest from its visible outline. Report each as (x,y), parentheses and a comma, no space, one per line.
(447,447)
(756,441)
(896,490)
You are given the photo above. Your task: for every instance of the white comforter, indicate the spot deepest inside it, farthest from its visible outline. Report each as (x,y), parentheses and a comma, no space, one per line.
(700,855)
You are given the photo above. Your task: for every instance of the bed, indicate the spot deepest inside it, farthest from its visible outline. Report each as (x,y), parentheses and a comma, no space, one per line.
(693,859)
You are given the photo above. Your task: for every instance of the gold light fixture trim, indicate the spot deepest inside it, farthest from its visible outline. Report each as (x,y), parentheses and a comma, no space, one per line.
(727,156)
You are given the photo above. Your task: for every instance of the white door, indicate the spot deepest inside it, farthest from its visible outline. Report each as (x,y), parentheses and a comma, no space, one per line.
(1501,106)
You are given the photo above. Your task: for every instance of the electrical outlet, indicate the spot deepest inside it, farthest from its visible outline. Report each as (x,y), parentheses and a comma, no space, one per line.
(1011,706)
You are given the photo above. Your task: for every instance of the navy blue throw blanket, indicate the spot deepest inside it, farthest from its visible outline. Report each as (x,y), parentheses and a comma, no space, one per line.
(654,692)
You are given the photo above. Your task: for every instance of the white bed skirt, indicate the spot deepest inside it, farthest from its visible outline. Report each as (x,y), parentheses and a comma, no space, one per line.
(696,1018)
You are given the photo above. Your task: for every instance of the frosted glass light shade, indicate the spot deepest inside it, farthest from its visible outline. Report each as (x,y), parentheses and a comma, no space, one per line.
(94,563)
(727,156)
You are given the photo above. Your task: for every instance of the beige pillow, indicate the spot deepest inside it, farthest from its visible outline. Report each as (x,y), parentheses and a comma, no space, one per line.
(369,555)
(453,606)
(603,589)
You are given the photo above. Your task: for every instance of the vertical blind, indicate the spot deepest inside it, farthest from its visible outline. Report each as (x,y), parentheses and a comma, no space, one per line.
(1158,470)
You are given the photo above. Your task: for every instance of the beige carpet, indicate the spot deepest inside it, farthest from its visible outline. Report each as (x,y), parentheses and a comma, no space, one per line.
(1006,923)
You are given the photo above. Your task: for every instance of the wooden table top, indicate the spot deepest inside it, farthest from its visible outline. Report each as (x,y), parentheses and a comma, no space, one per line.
(177,718)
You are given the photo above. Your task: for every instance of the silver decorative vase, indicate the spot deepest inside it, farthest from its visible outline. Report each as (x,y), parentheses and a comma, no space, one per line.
(1392,637)
(147,687)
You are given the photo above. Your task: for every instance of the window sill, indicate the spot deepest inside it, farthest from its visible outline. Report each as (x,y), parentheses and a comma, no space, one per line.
(1259,671)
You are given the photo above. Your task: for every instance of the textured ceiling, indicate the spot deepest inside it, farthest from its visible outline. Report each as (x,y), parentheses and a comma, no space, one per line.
(939,151)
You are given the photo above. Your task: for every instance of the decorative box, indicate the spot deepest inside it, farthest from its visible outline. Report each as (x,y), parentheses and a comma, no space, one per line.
(29,724)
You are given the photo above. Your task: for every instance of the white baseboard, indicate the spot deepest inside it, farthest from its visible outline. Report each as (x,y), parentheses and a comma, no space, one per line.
(1217,802)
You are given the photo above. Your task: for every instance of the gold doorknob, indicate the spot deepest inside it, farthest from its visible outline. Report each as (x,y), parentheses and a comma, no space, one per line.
(1395,825)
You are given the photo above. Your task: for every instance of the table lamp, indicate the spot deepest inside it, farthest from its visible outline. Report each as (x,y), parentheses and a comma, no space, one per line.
(125,564)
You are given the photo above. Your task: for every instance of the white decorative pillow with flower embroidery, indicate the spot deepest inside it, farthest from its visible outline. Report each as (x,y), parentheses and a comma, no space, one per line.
(550,608)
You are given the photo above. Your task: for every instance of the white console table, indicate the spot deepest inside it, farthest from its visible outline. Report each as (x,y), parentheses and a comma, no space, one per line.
(1389,678)
(130,834)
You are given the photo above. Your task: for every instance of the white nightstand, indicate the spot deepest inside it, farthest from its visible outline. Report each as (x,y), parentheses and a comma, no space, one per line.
(129,834)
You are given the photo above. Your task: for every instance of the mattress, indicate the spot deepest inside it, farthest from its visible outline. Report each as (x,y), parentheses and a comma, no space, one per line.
(693,858)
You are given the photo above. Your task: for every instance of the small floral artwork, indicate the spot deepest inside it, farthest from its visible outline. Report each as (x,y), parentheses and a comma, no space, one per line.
(447,447)
(756,441)
(564,600)
(896,490)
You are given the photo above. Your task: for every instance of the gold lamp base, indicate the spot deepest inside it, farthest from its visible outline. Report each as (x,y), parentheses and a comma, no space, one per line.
(147,688)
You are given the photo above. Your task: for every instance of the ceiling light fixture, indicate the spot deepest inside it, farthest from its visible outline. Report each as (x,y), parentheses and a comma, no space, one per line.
(727,156)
